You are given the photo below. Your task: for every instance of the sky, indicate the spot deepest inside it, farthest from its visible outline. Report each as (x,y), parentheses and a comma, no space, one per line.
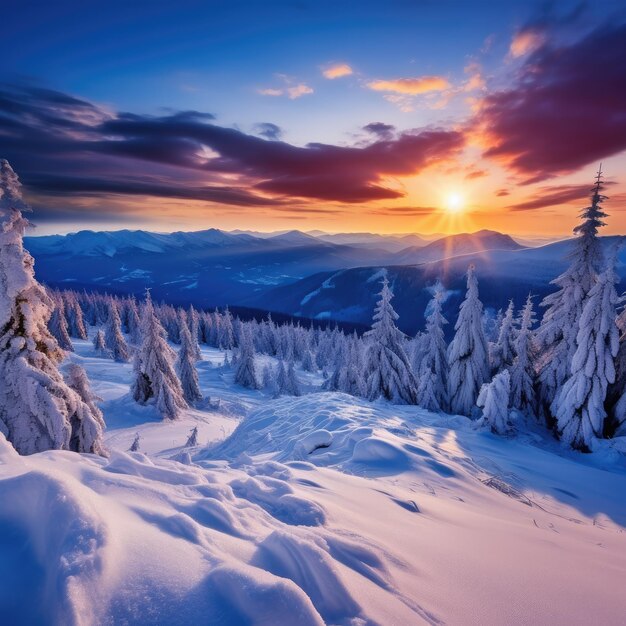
(393,117)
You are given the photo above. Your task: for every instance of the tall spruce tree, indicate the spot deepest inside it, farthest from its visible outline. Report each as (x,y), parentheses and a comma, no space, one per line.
(579,404)
(38,410)
(432,391)
(155,378)
(559,327)
(186,362)
(388,371)
(467,353)
(523,368)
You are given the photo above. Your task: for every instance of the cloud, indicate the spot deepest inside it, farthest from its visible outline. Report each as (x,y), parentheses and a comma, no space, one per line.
(64,145)
(557,195)
(380,129)
(526,41)
(564,110)
(291,89)
(473,174)
(411,86)
(405,211)
(338,70)
(501,193)
(269,130)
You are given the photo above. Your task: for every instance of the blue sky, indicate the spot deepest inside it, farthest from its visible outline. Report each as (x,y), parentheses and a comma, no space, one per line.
(249,63)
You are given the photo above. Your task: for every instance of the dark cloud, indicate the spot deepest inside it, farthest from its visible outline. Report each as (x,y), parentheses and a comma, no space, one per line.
(269,130)
(565,110)
(61,144)
(380,129)
(554,196)
(503,192)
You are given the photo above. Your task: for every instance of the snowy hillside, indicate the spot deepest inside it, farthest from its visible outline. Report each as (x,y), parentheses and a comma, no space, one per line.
(318,509)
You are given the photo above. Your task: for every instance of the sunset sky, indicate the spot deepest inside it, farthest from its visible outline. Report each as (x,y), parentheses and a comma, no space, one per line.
(393,116)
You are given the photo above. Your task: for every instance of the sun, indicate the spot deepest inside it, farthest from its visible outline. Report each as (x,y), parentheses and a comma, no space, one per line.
(454,203)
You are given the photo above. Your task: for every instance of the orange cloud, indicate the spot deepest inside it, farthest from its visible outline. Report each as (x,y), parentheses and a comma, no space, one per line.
(525,41)
(411,86)
(337,71)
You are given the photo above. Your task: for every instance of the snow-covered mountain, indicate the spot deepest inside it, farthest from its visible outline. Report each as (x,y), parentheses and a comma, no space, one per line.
(455,245)
(216,268)
(503,274)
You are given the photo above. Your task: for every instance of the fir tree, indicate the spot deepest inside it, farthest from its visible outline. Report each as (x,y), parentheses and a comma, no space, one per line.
(579,404)
(563,309)
(245,374)
(58,325)
(192,440)
(100,346)
(155,377)
(134,446)
(113,338)
(186,363)
(502,352)
(74,316)
(38,410)
(88,424)
(432,392)
(523,370)
(494,400)
(388,372)
(467,353)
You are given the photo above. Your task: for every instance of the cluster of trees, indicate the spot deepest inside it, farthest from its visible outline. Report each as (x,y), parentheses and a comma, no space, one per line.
(569,371)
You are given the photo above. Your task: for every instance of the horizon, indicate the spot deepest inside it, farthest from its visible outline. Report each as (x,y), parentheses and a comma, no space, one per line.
(287,118)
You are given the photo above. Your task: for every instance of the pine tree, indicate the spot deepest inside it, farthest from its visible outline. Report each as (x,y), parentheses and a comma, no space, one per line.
(155,377)
(226,333)
(113,338)
(245,374)
(287,382)
(388,371)
(38,410)
(494,400)
(559,327)
(100,346)
(74,316)
(134,446)
(58,325)
(186,363)
(87,424)
(133,323)
(467,353)
(269,379)
(432,392)
(502,352)
(192,440)
(579,404)
(523,370)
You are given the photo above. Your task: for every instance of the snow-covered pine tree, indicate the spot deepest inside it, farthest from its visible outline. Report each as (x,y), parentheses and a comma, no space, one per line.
(74,316)
(388,371)
(523,368)
(133,323)
(58,324)
(269,379)
(432,391)
(557,333)
(615,404)
(494,400)
(502,352)
(155,377)
(226,332)
(579,404)
(186,362)
(100,345)
(287,382)
(113,338)
(192,440)
(467,353)
(38,410)
(88,423)
(245,374)
(134,446)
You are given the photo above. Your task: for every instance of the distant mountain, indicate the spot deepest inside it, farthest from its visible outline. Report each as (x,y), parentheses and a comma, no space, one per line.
(351,294)
(207,268)
(391,243)
(455,245)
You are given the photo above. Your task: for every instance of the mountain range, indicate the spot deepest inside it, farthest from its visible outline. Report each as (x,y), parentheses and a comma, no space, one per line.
(312,275)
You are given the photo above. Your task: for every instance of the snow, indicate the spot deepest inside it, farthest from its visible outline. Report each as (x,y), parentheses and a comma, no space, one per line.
(308,510)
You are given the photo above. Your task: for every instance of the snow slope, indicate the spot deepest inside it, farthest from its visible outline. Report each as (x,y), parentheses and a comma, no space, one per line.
(318,509)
